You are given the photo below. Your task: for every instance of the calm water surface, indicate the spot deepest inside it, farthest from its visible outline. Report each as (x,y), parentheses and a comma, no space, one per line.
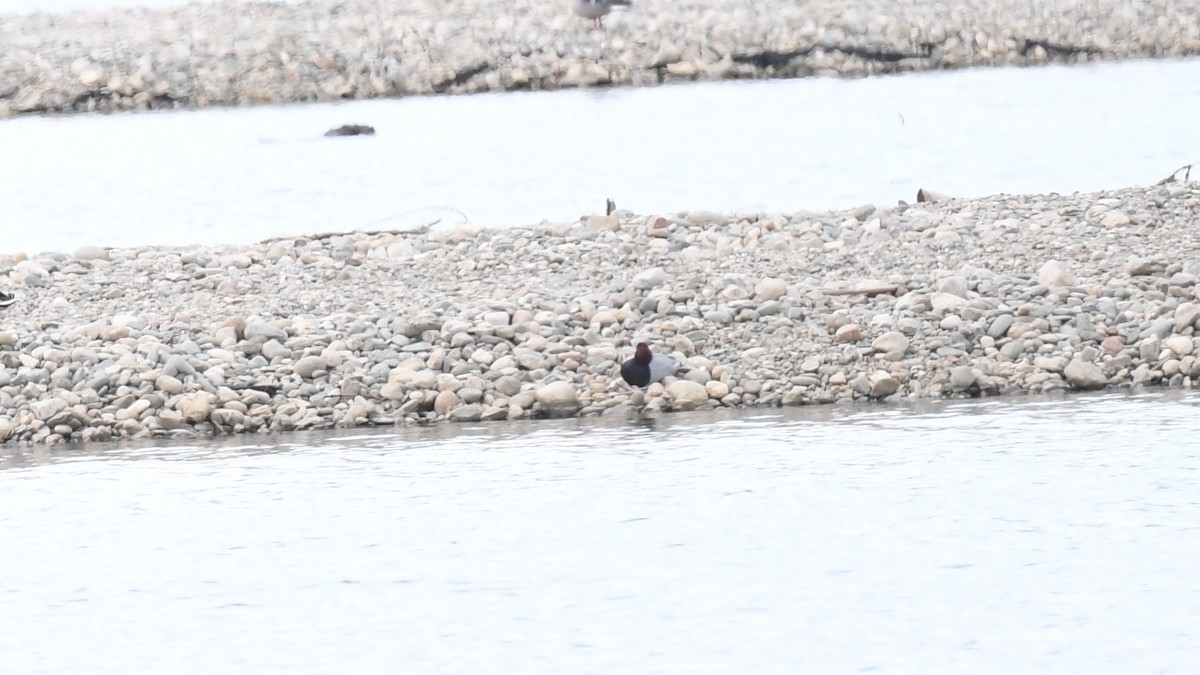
(237,176)
(1010,536)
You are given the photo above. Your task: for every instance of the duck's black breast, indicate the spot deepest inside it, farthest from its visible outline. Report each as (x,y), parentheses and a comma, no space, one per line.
(635,374)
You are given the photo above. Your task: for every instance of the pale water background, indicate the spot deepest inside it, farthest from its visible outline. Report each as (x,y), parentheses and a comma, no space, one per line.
(238,176)
(1017,536)
(1000,536)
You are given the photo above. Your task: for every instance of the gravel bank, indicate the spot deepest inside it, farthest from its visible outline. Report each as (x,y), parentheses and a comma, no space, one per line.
(978,297)
(238,54)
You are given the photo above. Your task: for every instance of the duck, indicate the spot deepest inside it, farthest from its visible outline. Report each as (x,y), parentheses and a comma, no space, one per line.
(646,367)
(6,299)
(596,9)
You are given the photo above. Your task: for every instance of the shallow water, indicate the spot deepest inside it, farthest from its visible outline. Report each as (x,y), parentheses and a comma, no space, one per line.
(237,176)
(1002,536)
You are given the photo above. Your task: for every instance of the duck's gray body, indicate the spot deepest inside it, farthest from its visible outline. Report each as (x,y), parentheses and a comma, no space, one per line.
(646,368)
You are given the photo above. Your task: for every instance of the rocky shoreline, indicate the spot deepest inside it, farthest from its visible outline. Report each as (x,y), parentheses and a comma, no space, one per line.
(232,54)
(955,298)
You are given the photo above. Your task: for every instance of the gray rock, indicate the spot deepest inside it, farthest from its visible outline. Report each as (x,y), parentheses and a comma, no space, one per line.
(651,278)
(1000,325)
(446,401)
(770,288)
(273,349)
(1186,315)
(793,396)
(558,399)
(170,419)
(1083,375)
(962,378)
(472,412)
(307,366)
(47,408)
(265,331)
(195,407)
(1013,349)
(686,394)
(227,419)
(168,384)
(883,385)
(1054,274)
(91,253)
(893,342)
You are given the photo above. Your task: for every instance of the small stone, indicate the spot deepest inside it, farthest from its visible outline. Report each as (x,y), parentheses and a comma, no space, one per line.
(1186,315)
(687,394)
(1182,346)
(962,378)
(1112,344)
(236,260)
(770,288)
(1000,325)
(91,253)
(953,285)
(497,318)
(1013,349)
(1083,375)
(861,213)
(168,384)
(850,332)
(944,302)
(170,420)
(1140,267)
(1114,219)
(47,408)
(892,342)
(558,399)
(472,412)
(1054,274)
(793,396)
(445,402)
(308,365)
(470,394)
(272,349)
(645,280)
(659,227)
(225,418)
(716,389)
(883,385)
(393,391)
(195,407)
(262,330)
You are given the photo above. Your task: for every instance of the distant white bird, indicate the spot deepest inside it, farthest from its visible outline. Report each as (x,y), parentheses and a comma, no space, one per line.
(596,9)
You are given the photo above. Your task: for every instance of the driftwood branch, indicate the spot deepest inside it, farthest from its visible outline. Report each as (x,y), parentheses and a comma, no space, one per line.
(423,228)
(1187,173)
(870,290)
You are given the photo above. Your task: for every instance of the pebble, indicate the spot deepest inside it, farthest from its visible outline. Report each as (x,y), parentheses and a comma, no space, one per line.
(687,394)
(962,378)
(525,334)
(558,399)
(892,342)
(1082,375)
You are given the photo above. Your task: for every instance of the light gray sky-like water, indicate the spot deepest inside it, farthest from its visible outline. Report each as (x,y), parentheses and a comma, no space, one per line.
(1004,536)
(242,175)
